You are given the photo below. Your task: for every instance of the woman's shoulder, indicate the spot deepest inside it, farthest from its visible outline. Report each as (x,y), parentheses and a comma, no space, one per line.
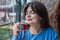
(49,30)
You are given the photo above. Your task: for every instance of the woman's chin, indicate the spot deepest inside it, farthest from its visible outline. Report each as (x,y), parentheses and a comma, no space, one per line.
(29,22)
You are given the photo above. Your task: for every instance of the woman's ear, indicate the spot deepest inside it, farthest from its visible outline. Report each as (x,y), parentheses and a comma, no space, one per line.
(40,18)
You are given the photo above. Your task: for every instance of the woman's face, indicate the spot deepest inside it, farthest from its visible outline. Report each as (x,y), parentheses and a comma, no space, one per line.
(31,17)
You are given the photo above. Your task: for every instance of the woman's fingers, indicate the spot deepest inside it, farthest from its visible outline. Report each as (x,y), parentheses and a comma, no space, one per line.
(16,28)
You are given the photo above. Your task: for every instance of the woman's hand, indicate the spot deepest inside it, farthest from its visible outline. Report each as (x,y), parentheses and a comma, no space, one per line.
(16,28)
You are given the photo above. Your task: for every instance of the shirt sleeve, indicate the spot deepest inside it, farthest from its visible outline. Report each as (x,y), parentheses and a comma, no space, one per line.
(54,35)
(19,36)
(14,37)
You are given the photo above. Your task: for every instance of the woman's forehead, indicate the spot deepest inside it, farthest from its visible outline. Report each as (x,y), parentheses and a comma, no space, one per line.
(29,8)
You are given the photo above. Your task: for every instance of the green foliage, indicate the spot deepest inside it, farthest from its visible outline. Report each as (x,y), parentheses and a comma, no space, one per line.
(4,34)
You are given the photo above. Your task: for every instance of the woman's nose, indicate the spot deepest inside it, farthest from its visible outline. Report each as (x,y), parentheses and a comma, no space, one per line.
(28,15)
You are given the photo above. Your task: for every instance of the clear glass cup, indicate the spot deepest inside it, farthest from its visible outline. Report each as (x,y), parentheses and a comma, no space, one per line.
(23,25)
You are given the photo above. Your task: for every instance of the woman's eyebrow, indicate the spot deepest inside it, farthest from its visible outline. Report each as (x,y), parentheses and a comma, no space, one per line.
(30,11)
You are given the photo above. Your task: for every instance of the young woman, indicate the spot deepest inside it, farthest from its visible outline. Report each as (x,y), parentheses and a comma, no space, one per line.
(36,16)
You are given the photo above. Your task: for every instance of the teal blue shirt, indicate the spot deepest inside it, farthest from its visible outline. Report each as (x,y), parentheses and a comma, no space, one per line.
(46,34)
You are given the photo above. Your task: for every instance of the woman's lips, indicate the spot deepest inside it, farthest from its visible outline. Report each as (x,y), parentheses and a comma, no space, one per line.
(29,19)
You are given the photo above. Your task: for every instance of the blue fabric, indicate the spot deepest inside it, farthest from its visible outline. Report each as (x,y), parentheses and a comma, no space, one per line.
(46,34)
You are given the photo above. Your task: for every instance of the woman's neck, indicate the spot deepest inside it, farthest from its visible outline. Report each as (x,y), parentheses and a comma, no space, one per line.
(35,29)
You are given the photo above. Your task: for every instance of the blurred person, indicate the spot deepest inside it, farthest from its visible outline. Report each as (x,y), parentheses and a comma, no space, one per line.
(36,16)
(53,20)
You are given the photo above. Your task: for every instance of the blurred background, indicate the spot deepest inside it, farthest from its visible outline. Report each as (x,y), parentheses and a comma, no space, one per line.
(12,11)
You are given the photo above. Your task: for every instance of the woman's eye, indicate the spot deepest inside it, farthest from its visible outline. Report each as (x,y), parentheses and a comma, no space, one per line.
(32,13)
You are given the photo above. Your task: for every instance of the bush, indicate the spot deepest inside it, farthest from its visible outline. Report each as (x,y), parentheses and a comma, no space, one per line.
(4,34)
